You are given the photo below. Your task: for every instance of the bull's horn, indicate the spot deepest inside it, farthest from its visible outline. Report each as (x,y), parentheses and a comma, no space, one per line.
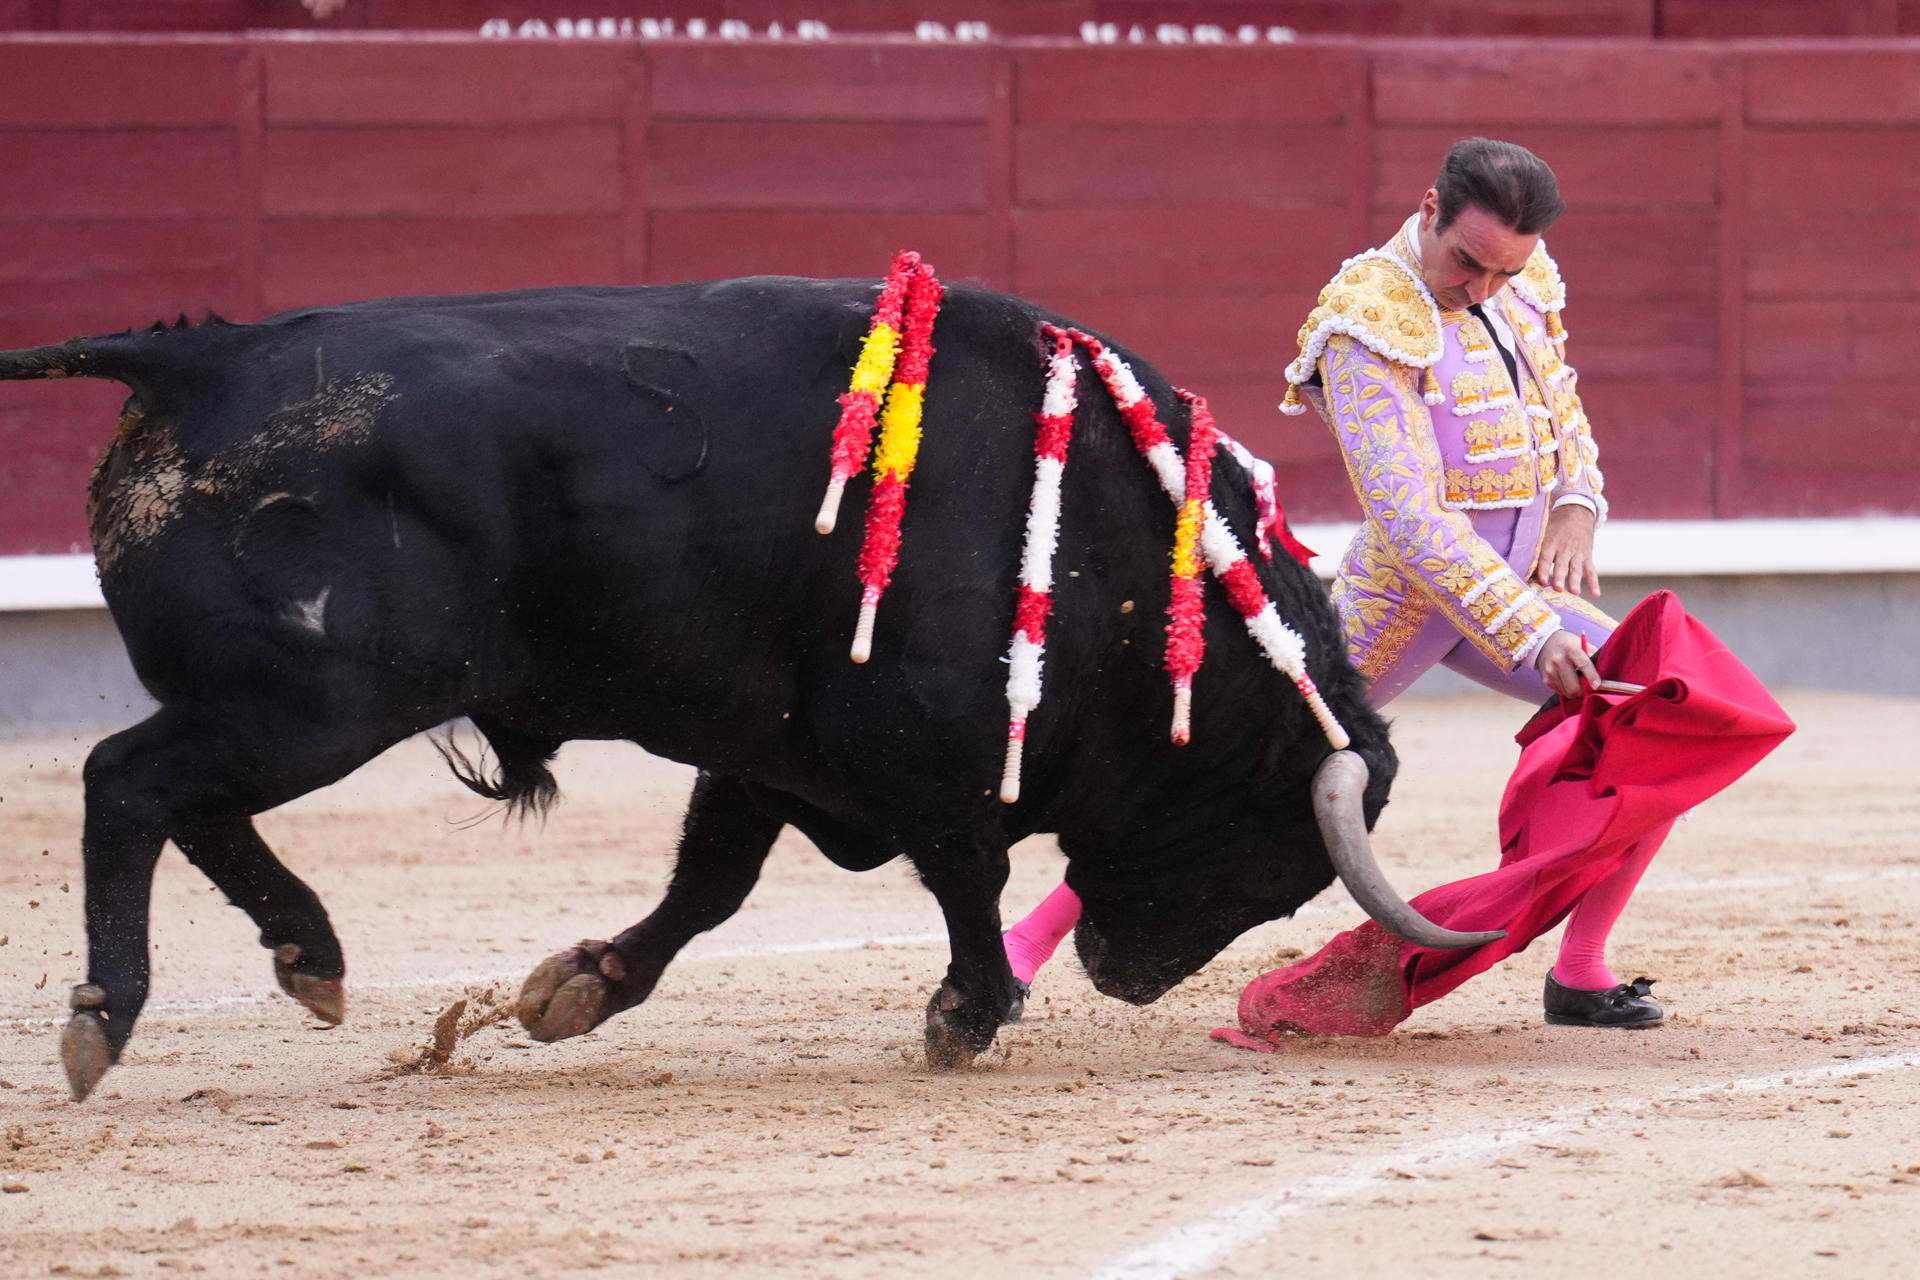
(1338,786)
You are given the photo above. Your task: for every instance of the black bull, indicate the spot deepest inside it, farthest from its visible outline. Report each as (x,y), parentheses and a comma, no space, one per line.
(587,513)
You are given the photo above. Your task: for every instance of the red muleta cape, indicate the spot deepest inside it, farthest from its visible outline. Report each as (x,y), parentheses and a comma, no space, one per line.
(1597,775)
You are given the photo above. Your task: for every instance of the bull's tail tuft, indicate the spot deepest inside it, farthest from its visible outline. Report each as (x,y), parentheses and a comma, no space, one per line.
(520,779)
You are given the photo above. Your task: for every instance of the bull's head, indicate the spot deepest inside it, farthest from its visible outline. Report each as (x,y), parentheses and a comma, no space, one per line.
(1137,945)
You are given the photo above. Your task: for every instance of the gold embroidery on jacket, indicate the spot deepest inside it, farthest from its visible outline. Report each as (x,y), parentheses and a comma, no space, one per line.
(1474,392)
(1503,437)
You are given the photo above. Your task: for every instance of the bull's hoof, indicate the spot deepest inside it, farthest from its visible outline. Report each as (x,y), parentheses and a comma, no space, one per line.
(567,995)
(85,1052)
(324,997)
(956,1033)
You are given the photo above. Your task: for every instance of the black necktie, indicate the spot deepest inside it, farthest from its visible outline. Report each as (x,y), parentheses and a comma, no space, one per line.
(1513,370)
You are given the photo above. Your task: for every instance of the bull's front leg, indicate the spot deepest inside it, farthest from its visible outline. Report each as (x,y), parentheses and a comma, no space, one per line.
(723,845)
(966,1012)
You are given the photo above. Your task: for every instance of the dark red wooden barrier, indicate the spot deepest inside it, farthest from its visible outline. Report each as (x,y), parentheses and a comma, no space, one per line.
(1741,248)
(1686,19)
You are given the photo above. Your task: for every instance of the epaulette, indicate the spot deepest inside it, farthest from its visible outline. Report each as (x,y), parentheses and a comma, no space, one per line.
(1380,302)
(1540,287)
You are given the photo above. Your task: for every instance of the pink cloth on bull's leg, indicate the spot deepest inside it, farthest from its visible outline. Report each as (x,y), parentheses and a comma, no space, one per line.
(1031,942)
(1599,779)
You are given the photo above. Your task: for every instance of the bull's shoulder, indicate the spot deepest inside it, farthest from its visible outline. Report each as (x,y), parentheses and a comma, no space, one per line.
(1379,302)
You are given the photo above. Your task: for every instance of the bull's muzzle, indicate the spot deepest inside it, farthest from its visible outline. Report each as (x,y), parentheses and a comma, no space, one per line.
(1338,787)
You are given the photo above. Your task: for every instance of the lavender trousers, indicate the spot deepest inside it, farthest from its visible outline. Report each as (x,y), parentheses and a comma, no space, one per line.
(1439,644)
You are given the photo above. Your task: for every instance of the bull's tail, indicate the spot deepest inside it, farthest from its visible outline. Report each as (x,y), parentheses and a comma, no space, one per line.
(72,359)
(521,779)
(140,358)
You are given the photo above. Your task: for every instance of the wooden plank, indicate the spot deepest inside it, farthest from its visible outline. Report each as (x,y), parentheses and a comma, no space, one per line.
(1718,20)
(1729,422)
(1829,171)
(1000,177)
(636,169)
(711,244)
(1642,168)
(1178,164)
(1266,85)
(63,277)
(1789,492)
(1875,257)
(825,165)
(1472,85)
(79,255)
(1623,336)
(1804,86)
(1655,437)
(117,173)
(447,172)
(177,15)
(1637,256)
(249,150)
(1560,18)
(791,81)
(429,82)
(1833,341)
(50,434)
(1197,249)
(1794,424)
(313,261)
(1195,338)
(1797,492)
(99,85)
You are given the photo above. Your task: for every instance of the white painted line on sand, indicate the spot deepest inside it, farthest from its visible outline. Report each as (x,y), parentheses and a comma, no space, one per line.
(1199,1247)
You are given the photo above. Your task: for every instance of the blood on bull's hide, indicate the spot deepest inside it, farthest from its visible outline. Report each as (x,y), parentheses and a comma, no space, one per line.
(588,513)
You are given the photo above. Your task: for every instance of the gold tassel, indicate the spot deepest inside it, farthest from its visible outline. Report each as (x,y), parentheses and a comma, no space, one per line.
(1430,388)
(1292,403)
(1555,329)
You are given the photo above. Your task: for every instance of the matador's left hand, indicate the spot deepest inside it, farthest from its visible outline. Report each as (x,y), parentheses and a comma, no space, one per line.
(1566,551)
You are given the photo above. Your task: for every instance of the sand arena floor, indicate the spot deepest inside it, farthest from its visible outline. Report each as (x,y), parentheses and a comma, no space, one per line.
(767,1113)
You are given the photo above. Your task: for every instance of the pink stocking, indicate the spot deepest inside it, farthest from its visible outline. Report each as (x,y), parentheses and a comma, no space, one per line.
(1030,943)
(1582,962)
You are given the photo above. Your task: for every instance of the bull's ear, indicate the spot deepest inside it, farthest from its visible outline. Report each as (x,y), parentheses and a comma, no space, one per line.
(667,419)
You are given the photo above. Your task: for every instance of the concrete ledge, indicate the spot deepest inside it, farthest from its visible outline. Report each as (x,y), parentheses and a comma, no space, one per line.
(1628,548)
(1715,548)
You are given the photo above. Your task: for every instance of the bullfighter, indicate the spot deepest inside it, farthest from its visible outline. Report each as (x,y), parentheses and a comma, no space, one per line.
(1439,362)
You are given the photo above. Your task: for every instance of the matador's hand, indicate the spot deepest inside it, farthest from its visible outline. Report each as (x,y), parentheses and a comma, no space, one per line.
(1566,551)
(1563,663)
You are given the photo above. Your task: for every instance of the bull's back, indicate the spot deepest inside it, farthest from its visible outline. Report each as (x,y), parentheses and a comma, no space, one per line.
(592,507)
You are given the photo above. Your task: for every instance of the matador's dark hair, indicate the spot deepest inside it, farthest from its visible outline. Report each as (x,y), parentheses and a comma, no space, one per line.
(1503,178)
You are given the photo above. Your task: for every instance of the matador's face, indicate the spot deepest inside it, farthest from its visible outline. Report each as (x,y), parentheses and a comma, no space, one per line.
(1473,258)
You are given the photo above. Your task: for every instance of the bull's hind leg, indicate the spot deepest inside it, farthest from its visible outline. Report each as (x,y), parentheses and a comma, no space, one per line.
(966,1012)
(307,960)
(723,845)
(195,780)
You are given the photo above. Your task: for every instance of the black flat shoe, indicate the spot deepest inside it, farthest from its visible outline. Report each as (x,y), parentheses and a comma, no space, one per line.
(1629,1005)
(1018,1009)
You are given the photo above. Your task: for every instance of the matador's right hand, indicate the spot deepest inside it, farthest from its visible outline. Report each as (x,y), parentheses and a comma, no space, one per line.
(1563,664)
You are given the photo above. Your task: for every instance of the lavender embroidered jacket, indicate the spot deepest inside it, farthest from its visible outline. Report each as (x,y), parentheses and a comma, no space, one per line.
(1436,438)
